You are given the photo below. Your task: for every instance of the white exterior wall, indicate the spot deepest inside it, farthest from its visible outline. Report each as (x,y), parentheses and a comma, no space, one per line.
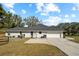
(37,35)
(27,35)
(57,35)
(53,35)
(13,34)
(61,35)
(6,34)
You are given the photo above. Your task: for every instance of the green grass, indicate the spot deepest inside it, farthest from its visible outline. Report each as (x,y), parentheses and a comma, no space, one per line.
(18,48)
(76,38)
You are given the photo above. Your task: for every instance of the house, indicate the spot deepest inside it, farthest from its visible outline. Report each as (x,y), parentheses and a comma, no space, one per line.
(38,31)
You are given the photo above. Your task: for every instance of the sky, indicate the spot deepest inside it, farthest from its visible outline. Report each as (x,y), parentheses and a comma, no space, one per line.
(49,13)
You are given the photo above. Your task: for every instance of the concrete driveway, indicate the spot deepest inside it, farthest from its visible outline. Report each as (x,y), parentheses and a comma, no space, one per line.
(69,47)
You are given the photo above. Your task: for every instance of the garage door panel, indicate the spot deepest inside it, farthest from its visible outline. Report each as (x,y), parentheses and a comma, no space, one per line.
(53,35)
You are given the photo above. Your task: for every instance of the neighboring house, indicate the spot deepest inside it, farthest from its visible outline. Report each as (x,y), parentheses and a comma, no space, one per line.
(38,31)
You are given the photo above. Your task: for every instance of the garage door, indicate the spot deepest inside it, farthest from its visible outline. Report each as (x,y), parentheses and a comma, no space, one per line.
(53,35)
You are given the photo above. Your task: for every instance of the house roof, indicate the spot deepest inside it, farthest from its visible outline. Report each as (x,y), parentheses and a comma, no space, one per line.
(38,27)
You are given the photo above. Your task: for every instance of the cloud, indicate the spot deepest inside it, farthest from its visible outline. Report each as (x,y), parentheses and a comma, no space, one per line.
(66,16)
(46,8)
(73,8)
(73,15)
(44,14)
(76,7)
(23,11)
(52,7)
(55,20)
(39,7)
(11,10)
(10,6)
(30,5)
(66,20)
(52,20)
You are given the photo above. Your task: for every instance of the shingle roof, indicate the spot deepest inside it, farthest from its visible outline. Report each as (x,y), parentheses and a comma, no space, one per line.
(34,28)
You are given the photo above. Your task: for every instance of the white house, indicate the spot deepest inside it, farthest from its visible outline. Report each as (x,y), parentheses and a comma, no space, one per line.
(38,31)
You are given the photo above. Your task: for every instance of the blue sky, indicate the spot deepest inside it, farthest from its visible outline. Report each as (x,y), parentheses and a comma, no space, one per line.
(49,13)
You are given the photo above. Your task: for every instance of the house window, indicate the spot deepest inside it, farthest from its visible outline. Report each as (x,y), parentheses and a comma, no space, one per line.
(40,32)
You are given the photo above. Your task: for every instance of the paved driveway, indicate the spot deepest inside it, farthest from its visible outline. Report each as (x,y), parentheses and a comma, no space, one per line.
(69,47)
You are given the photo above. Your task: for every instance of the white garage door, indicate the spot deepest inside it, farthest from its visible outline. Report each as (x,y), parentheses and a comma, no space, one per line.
(53,35)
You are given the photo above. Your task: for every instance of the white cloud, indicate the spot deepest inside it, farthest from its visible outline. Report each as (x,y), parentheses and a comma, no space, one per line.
(23,11)
(39,7)
(55,20)
(52,7)
(66,20)
(73,8)
(76,7)
(46,8)
(73,15)
(52,20)
(10,6)
(66,16)
(12,11)
(30,5)
(44,14)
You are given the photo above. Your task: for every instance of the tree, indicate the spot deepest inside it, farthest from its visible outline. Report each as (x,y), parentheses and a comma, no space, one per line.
(11,21)
(16,20)
(70,28)
(32,21)
(2,12)
(2,15)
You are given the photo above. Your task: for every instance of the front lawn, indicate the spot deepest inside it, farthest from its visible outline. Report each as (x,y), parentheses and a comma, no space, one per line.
(18,48)
(76,38)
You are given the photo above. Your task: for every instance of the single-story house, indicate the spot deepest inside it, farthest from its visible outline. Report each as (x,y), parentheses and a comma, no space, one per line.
(38,31)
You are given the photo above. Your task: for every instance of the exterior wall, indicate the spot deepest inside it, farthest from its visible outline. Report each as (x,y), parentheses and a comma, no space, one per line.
(17,34)
(12,34)
(61,35)
(53,35)
(37,35)
(57,35)
(27,35)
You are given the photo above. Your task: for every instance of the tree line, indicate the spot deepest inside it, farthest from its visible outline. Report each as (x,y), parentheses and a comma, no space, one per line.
(70,28)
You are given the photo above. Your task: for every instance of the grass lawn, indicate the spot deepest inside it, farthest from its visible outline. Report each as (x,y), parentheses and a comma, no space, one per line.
(18,48)
(76,38)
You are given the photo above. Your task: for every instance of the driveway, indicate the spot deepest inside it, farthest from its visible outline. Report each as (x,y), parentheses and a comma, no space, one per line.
(69,47)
